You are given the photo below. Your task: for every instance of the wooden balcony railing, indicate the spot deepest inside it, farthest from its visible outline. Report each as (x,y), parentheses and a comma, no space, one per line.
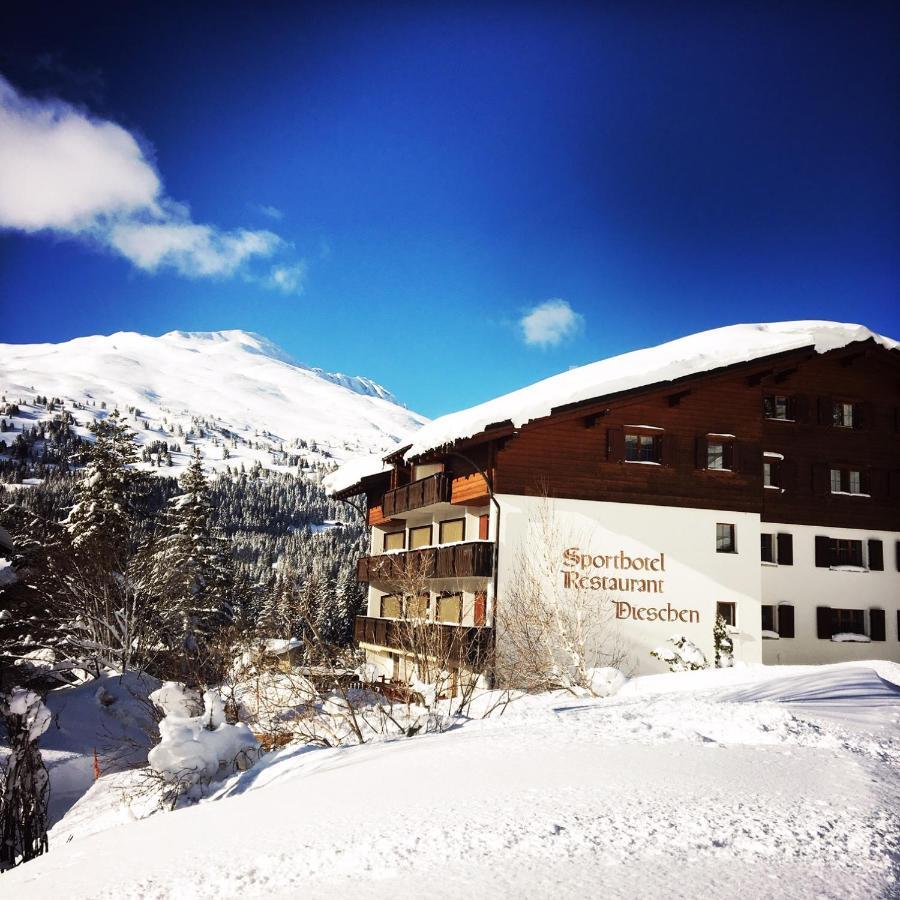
(460,643)
(473,559)
(434,489)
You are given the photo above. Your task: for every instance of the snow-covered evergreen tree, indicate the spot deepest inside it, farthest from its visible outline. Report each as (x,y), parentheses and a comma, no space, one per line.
(348,600)
(24,782)
(724,645)
(194,570)
(100,522)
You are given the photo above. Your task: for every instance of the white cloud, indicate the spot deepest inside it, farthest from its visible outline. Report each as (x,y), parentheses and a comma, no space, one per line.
(270,212)
(191,249)
(64,171)
(550,323)
(289,279)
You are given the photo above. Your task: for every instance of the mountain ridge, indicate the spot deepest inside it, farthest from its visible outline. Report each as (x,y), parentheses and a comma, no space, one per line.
(224,387)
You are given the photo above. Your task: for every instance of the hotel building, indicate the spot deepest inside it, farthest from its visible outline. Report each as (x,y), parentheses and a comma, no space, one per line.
(751,471)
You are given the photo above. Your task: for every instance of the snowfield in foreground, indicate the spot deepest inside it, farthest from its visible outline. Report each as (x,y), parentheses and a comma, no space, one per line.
(757,782)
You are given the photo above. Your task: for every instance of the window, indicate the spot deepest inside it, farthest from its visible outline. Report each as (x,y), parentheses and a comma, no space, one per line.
(842,414)
(766,548)
(449,608)
(391,606)
(728,611)
(830,622)
(719,453)
(451,531)
(776,406)
(417,607)
(846,481)
(642,448)
(846,553)
(771,472)
(396,540)
(419,537)
(848,620)
(768,618)
(725,542)
(426,471)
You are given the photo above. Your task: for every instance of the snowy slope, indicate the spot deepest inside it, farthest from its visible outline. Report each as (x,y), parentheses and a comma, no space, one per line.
(235,381)
(723,783)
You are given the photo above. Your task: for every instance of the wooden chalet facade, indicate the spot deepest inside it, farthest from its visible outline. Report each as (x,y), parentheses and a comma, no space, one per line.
(770,487)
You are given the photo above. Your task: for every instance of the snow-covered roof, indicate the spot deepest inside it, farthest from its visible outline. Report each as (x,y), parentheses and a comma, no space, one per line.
(694,354)
(353,471)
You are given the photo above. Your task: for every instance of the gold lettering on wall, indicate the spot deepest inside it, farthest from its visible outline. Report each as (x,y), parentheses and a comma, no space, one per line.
(592,572)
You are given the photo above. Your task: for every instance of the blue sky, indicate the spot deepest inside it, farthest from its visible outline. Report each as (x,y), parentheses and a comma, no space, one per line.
(425,179)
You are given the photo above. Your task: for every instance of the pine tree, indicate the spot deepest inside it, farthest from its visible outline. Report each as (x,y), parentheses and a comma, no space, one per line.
(349,602)
(195,567)
(100,522)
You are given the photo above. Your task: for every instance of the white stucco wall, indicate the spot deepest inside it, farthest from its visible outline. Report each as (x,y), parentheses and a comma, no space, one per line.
(695,576)
(806,587)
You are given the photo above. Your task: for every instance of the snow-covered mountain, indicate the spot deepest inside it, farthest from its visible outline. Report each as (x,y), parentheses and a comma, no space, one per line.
(236,394)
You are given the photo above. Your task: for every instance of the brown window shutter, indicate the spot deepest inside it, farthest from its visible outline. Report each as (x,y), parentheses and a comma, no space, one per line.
(804,478)
(615,444)
(787,471)
(877,483)
(876,555)
(897,554)
(785,620)
(820,483)
(894,484)
(823,551)
(483,527)
(785,549)
(825,410)
(667,450)
(877,630)
(800,408)
(824,623)
(700,453)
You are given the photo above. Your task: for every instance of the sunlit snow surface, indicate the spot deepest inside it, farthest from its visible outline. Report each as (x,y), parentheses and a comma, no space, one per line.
(750,782)
(237,381)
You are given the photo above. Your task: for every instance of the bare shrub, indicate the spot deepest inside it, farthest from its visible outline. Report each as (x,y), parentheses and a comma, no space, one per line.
(552,636)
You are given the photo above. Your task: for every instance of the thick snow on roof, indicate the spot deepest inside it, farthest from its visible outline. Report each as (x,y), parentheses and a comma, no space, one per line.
(688,355)
(353,471)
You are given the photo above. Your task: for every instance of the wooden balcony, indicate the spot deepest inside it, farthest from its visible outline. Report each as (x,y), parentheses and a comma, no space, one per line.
(434,489)
(473,559)
(459,643)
